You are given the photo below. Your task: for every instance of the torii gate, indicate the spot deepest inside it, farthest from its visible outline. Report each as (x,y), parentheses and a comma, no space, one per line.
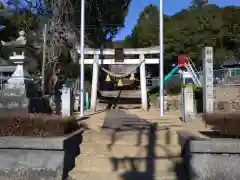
(161,64)
(142,60)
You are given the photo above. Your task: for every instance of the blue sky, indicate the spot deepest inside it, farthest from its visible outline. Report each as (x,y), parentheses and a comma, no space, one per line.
(169,6)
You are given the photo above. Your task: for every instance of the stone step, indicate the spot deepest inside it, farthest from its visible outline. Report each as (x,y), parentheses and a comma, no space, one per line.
(163,137)
(105,164)
(92,175)
(124,94)
(118,150)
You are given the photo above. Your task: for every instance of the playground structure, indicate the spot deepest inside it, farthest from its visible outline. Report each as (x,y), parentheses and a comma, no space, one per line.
(171,73)
(141,61)
(185,62)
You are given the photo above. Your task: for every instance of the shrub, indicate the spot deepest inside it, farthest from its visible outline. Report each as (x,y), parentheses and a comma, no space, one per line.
(227,123)
(173,89)
(38,125)
(153,99)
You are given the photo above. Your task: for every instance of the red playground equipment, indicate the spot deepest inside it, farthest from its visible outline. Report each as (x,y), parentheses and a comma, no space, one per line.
(181,60)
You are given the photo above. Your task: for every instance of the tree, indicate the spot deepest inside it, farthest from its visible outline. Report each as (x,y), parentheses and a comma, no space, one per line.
(103,17)
(103,20)
(146,31)
(197,4)
(189,30)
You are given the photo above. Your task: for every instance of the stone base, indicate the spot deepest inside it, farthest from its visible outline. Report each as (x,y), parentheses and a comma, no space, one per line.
(210,159)
(25,164)
(29,158)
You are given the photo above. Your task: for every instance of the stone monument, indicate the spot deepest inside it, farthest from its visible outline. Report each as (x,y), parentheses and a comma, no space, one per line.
(208,99)
(14,96)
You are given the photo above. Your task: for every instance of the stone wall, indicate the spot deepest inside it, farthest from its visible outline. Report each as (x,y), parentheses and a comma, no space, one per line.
(227,99)
(172,103)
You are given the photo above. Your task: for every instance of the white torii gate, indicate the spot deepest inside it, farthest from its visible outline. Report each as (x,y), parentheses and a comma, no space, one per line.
(141,52)
(161,51)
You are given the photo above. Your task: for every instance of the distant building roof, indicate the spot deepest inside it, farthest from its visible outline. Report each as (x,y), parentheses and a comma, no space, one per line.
(232,62)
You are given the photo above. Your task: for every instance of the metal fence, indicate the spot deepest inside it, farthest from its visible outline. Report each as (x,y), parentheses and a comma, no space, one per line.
(226,89)
(222,77)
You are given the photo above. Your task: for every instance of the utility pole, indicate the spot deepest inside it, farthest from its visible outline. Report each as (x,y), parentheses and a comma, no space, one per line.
(44,58)
(82,57)
(161,61)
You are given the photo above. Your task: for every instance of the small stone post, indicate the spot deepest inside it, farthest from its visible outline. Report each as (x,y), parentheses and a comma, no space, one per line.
(67,101)
(187,104)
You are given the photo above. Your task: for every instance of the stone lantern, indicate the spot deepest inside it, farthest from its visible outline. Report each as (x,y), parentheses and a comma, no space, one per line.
(15,93)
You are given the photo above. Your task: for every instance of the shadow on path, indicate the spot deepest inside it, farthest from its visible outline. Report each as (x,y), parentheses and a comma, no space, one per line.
(119,123)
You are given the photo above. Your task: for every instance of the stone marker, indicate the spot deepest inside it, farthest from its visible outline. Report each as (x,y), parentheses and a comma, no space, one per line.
(187,103)
(13,97)
(67,101)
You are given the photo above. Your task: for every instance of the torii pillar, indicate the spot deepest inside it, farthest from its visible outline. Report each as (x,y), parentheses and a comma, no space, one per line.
(93,102)
(143,83)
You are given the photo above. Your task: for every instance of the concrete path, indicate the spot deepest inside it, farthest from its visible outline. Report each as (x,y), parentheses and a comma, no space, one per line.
(131,145)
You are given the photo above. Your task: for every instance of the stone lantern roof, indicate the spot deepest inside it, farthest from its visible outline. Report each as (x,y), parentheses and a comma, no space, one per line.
(19,50)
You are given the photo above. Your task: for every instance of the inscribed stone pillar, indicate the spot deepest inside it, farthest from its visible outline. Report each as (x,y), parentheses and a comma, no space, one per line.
(208,98)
